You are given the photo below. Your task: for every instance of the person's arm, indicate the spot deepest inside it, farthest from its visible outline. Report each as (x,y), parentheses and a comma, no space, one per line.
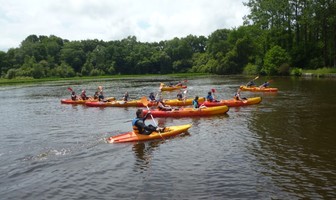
(146,116)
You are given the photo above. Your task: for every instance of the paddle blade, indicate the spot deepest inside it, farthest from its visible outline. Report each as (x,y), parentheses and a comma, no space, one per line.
(144,101)
(70,89)
(213,90)
(185,91)
(256,78)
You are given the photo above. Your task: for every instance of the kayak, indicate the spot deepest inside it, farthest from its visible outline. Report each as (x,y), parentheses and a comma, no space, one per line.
(257,89)
(176,102)
(138,103)
(121,103)
(81,101)
(70,101)
(171,88)
(131,136)
(189,112)
(233,102)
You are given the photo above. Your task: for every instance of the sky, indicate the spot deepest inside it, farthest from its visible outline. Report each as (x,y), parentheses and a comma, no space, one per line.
(107,20)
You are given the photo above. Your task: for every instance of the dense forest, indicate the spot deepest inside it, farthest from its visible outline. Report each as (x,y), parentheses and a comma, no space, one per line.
(277,38)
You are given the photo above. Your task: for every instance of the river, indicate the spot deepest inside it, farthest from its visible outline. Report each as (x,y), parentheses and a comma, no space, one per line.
(282,148)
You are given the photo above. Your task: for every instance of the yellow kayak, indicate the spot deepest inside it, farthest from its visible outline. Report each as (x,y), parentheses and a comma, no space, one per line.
(131,137)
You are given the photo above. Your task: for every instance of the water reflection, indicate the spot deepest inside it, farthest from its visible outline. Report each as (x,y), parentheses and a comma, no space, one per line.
(144,154)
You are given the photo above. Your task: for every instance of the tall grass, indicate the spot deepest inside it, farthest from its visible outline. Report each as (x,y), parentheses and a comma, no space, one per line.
(323,70)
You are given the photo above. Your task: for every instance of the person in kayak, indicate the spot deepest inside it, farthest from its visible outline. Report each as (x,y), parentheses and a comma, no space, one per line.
(152,97)
(83,95)
(237,96)
(251,83)
(179,96)
(196,105)
(73,96)
(125,97)
(96,95)
(162,106)
(139,126)
(264,85)
(195,102)
(210,98)
(100,96)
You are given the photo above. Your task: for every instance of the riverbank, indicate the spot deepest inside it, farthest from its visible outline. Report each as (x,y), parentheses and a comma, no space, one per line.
(320,73)
(316,75)
(15,81)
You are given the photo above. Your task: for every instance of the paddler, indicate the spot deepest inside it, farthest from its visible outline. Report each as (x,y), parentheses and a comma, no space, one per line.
(139,126)
(73,96)
(264,85)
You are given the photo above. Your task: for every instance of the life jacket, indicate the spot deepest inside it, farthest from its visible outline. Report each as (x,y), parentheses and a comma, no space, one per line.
(195,103)
(209,98)
(73,97)
(152,97)
(135,127)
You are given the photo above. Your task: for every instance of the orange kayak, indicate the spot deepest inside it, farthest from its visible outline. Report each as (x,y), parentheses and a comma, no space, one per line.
(70,101)
(190,112)
(171,88)
(132,103)
(176,102)
(138,103)
(233,102)
(257,89)
(131,137)
(81,101)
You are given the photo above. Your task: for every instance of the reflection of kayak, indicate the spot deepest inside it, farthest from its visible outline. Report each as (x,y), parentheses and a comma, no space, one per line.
(130,136)
(257,89)
(233,102)
(190,112)
(170,88)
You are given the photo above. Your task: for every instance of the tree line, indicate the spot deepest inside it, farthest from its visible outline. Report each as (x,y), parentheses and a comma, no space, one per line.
(276,37)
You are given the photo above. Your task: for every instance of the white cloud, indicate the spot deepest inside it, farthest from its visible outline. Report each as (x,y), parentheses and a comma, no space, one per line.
(148,20)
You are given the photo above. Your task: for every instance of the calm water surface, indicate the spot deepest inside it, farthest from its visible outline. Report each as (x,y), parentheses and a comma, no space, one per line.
(283,148)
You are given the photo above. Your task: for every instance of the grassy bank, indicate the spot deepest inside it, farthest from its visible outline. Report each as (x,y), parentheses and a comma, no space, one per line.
(321,72)
(24,80)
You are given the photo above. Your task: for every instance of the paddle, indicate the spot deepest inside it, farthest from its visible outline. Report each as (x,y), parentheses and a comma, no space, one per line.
(213,91)
(145,102)
(185,95)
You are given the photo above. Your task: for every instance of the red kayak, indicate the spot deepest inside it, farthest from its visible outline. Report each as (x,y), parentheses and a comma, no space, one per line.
(233,102)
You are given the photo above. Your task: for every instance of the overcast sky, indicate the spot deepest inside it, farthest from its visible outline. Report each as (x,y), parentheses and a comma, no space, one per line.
(148,20)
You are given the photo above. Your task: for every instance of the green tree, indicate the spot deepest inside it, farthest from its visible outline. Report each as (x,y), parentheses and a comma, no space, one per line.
(275,59)
(73,55)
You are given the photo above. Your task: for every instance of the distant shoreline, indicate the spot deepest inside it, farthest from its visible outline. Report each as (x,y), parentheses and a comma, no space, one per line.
(331,75)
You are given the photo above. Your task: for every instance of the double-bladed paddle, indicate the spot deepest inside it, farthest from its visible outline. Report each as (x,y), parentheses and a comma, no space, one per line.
(145,102)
